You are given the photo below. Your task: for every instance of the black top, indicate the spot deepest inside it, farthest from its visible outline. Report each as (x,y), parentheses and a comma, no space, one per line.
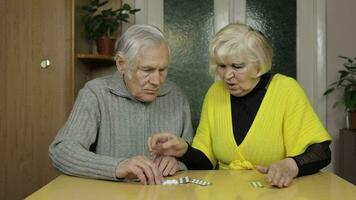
(245,108)
(312,160)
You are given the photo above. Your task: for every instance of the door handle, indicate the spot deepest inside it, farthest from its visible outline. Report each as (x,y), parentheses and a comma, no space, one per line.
(45,63)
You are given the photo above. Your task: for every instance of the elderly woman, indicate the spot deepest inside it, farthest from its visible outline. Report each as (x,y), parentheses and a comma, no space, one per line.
(106,133)
(251,118)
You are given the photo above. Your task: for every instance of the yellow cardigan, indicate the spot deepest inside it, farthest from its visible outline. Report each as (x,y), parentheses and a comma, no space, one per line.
(285,125)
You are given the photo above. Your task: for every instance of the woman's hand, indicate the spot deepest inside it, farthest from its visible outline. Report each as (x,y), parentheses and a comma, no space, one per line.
(167,144)
(167,165)
(139,167)
(281,173)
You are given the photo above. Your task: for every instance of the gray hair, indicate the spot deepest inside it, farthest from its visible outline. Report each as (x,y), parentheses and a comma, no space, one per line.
(136,38)
(236,39)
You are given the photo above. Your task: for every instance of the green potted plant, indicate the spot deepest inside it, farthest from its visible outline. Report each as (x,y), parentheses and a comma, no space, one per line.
(347,82)
(101,25)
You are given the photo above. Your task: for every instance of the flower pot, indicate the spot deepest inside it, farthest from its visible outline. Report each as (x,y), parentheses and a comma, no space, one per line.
(105,46)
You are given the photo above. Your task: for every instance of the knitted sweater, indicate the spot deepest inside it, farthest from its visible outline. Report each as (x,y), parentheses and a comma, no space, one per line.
(285,125)
(110,122)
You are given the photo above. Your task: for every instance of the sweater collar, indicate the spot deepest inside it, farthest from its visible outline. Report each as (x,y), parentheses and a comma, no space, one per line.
(118,87)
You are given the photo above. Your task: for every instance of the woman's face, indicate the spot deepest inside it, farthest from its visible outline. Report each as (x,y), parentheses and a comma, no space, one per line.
(239,75)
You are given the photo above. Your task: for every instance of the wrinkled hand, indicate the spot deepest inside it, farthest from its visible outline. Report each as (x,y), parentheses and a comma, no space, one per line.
(281,173)
(167,165)
(167,144)
(139,167)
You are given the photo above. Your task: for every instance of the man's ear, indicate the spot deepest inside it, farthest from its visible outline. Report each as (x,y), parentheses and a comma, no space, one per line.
(120,64)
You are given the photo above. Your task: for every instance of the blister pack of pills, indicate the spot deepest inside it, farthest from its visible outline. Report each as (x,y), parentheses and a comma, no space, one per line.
(256,184)
(186,180)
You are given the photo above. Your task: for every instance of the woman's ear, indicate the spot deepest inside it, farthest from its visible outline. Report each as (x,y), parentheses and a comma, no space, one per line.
(259,72)
(120,64)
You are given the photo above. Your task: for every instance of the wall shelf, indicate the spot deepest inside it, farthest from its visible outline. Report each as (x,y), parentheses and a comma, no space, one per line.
(96,59)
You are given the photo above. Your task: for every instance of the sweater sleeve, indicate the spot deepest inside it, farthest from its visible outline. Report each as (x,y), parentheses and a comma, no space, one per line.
(187,133)
(69,151)
(301,125)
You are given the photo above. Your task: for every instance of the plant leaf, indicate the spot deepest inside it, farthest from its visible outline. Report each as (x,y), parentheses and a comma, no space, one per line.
(343,73)
(94,2)
(89,9)
(134,11)
(335,104)
(102,3)
(346,58)
(328,91)
(126,6)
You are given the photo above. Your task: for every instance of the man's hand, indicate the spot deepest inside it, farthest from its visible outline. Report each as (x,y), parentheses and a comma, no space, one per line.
(167,144)
(139,167)
(281,173)
(167,165)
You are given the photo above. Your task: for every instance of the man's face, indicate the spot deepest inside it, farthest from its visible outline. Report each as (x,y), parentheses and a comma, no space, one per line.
(150,74)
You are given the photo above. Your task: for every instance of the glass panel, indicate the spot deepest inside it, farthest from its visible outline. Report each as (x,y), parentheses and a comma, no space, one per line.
(189,27)
(277,20)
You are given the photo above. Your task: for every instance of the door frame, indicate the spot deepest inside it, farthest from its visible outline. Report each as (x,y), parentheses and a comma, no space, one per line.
(311,39)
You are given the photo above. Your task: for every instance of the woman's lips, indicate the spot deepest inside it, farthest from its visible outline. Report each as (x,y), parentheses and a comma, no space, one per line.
(231,86)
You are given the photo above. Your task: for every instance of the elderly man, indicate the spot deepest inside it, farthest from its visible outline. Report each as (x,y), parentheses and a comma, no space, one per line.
(106,133)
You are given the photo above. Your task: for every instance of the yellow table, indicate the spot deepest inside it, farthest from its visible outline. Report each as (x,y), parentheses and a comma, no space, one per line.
(225,185)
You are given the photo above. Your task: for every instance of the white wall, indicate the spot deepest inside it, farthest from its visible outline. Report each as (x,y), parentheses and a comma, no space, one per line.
(340,40)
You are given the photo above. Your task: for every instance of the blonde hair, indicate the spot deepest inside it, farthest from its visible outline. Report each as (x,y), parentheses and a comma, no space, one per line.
(237,39)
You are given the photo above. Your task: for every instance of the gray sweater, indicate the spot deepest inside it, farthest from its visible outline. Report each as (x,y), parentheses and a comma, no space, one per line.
(107,125)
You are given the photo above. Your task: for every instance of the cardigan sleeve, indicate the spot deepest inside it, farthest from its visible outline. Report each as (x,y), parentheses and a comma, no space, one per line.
(203,139)
(301,125)
(69,151)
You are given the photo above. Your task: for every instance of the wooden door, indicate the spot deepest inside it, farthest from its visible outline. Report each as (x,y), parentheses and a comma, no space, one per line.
(34,102)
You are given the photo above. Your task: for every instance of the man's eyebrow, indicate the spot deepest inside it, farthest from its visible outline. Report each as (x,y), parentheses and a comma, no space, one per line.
(146,67)
(151,67)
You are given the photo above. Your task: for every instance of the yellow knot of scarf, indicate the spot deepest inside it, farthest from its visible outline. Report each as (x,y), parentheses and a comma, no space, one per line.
(237,164)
